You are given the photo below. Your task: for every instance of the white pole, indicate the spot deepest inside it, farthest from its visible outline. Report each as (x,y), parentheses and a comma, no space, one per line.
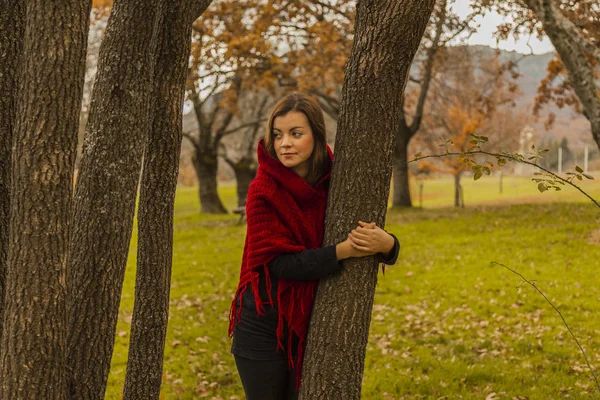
(560,160)
(585,160)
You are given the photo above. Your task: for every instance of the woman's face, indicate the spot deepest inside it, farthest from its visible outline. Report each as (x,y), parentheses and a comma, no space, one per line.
(293,141)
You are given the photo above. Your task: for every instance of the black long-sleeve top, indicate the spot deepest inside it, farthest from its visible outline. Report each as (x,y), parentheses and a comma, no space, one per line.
(254,335)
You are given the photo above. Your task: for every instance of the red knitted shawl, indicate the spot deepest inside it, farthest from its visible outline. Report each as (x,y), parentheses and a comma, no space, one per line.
(285,214)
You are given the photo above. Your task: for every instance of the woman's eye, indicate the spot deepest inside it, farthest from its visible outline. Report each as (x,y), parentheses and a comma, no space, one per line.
(296,134)
(277,135)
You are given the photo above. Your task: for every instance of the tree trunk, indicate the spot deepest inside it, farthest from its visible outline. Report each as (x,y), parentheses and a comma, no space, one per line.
(12,19)
(245,171)
(50,89)
(155,215)
(205,165)
(405,132)
(457,190)
(401,197)
(106,190)
(387,35)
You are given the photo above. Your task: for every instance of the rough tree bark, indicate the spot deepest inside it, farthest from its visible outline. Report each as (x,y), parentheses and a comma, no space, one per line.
(387,36)
(572,49)
(106,190)
(157,196)
(12,19)
(404,131)
(50,89)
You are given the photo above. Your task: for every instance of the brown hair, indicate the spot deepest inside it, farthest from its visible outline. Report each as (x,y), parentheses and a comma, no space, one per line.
(318,161)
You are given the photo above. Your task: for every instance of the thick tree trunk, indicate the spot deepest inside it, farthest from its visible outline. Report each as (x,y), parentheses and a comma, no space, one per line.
(33,346)
(387,36)
(12,21)
(245,171)
(401,197)
(205,165)
(106,190)
(155,215)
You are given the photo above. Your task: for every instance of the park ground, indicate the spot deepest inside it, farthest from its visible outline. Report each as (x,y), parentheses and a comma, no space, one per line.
(447,323)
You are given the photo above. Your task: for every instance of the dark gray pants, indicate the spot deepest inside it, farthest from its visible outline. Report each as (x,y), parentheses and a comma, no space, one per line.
(267,380)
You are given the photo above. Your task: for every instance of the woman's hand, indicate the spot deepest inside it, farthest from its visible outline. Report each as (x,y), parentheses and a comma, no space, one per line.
(369,238)
(345,250)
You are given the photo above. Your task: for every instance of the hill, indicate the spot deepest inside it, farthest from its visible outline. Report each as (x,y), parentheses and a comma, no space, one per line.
(532,68)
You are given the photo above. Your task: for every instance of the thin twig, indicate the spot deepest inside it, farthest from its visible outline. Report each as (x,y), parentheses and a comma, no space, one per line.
(510,157)
(561,316)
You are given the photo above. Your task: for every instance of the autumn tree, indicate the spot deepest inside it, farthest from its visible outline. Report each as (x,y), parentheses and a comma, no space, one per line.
(387,35)
(43,118)
(12,16)
(213,123)
(231,53)
(572,27)
(258,46)
(457,111)
(157,197)
(443,27)
(240,152)
(321,35)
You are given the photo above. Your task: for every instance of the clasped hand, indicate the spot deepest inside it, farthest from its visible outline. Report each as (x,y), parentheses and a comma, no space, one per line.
(368,239)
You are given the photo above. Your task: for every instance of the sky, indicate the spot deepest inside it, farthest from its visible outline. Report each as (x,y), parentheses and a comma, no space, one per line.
(488,24)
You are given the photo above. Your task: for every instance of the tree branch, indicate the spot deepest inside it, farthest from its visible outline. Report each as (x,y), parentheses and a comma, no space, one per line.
(193,140)
(416,122)
(554,16)
(513,158)
(561,317)
(242,126)
(198,7)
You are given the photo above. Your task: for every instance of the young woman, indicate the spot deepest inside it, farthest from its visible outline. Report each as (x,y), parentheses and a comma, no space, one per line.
(283,258)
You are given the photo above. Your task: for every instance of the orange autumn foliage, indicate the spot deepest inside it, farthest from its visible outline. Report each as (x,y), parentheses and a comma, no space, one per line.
(273,45)
(474,97)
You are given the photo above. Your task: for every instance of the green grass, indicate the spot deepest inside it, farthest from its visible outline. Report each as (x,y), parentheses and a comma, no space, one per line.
(446,324)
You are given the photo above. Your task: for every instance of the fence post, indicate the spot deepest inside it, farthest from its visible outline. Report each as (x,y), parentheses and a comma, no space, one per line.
(560,160)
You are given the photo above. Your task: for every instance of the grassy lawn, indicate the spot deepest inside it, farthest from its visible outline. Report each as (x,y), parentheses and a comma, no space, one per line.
(446,323)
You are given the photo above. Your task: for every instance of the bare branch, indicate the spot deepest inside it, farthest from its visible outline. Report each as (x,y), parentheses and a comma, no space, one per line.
(193,139)
(416,122)
(242,126)
(513,158)
(561,317)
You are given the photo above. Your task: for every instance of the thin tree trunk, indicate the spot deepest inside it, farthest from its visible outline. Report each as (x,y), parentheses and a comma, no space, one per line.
(12,19)
(457,190)
(387,35)
(405,132)
(33,346)
(401,197)
(155,215)
(106,190)
(206,169)
(244,174)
